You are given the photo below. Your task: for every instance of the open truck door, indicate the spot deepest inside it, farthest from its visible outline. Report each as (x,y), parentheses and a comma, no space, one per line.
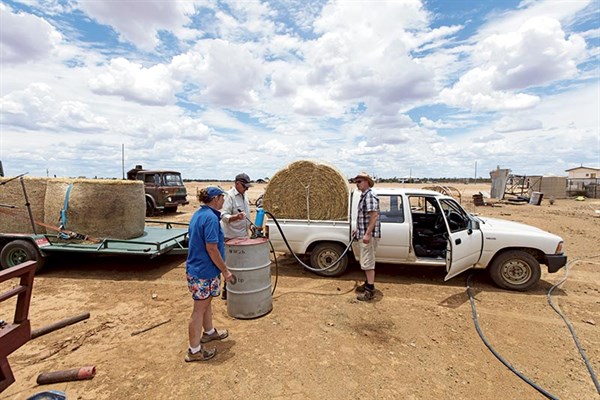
(465,239)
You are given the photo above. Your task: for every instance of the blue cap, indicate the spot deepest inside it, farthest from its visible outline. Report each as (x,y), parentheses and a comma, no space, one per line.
(214,191)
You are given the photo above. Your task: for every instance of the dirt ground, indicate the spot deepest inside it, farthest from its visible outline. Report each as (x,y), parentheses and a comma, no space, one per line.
(417,340)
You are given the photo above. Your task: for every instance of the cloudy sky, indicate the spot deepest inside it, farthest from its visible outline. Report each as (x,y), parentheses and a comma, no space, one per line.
(427,88)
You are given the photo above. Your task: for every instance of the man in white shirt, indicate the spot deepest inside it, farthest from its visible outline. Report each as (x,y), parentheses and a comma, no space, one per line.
(235,213)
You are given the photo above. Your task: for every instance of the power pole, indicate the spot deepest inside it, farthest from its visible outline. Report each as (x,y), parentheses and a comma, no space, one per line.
(123,159)
(475,171)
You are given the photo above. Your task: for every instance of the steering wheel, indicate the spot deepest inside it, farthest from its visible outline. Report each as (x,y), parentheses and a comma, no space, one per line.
(439,222)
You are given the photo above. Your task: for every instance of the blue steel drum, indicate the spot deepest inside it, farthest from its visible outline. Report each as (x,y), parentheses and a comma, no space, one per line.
(249,294)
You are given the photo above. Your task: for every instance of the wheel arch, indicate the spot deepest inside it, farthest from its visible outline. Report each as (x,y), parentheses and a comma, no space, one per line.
(537,254)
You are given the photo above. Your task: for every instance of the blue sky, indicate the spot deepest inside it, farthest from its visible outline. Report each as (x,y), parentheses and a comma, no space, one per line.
(213,88)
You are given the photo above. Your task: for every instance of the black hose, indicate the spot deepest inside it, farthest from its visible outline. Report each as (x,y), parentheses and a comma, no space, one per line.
(570,326)
(276,268)
(296,257)
(494,352)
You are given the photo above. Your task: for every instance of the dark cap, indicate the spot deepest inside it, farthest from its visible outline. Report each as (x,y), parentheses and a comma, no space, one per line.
(243,179)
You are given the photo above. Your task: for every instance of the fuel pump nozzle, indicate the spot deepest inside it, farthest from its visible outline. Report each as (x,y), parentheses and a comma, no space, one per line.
(256,226)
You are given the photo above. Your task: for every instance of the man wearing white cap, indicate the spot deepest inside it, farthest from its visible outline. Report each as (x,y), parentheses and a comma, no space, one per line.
(368,232)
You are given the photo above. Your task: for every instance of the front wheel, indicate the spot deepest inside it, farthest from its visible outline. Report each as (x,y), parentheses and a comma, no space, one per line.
(515,270)
(149,208)
(19,251)
(325,254)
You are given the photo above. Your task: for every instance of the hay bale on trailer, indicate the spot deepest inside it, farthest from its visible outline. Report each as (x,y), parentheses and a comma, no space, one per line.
(16,220)
(307,190)
(98,207)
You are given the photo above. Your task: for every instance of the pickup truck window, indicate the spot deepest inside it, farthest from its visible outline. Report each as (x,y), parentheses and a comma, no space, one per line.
(455,215)
(391,209)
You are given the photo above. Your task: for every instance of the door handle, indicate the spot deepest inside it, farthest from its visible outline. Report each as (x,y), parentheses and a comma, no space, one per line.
(458,241)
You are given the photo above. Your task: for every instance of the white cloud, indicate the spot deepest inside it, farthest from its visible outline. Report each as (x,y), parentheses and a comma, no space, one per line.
(139,22)
(537,53)
(512,124)
(131,81)
(25,37)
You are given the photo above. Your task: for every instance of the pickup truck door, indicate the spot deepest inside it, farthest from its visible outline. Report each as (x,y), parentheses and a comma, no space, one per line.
(395,241)
(464,243)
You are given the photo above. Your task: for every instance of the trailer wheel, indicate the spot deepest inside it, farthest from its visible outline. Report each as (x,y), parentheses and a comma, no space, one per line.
(325,254)
(19,251)
(515,270)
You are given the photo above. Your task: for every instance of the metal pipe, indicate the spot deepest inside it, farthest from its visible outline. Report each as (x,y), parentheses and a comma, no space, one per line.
(28,205)
(67,375)
(60,324)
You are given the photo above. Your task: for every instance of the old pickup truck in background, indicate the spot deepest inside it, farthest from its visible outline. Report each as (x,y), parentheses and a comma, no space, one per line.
(164,189)
(421,227)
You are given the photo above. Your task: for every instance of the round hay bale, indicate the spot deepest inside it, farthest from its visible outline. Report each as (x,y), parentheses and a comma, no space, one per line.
(16,220)
(308,190)
(99,208)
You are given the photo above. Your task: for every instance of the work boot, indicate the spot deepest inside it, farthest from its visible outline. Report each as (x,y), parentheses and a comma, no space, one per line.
(216,335)
(361,288)
(367,295)
(202,355)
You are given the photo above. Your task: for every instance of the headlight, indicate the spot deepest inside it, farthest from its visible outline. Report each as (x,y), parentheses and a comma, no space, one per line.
(169,199)
(559,248)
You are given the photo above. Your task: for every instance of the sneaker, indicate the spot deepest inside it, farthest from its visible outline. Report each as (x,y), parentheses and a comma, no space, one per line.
(217,335)
(202,355)
(366,295)
(361,288)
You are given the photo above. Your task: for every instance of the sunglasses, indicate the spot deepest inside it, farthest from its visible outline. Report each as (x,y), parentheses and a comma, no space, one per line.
(358,181)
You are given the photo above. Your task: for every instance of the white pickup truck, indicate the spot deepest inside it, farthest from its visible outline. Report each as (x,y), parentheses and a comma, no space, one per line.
(422,227)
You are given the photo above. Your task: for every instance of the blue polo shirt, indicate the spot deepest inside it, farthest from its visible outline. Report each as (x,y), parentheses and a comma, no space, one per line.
(204,228)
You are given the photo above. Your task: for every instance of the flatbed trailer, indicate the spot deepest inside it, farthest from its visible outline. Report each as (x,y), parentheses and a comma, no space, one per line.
(170,238)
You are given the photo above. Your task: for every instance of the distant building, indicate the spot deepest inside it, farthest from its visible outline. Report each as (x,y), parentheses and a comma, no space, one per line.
(583,179)
(583,173)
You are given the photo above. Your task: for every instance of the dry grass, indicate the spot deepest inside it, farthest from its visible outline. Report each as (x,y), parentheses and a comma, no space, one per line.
(16,220)
(307,190)
(98,208)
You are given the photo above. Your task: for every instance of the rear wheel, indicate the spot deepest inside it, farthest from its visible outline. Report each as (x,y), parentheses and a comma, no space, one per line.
(515,270)
(325,254)
(19,251)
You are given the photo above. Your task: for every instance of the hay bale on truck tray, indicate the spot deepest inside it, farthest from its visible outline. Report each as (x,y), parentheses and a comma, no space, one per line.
(308,190)
(16,220)
(100,208)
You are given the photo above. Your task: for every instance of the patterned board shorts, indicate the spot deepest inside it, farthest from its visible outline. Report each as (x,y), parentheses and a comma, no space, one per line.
(202,289)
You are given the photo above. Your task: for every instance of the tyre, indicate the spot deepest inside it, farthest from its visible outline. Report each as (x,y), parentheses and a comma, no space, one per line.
(149,208)
(515,270)
(19,251)
(325,254)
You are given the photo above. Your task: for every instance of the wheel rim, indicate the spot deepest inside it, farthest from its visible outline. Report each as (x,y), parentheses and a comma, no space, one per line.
(516,272)
(17,257)
(326,258)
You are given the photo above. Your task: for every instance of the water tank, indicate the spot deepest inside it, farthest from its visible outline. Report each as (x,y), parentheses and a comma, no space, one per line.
(249,294)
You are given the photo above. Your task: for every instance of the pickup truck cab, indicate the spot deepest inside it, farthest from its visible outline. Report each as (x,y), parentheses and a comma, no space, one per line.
(422,227)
